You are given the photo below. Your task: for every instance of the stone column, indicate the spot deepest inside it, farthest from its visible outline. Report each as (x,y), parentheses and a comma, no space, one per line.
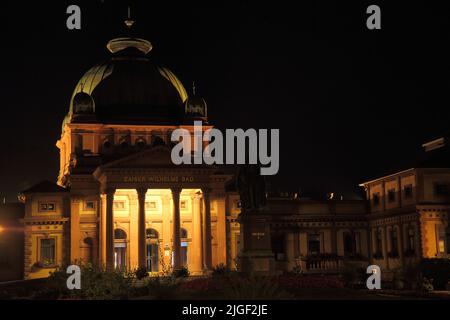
(207,230)
(334,237)
(134,229)
(165,262)
(75,230)
(176,229)
(221,230)
(109,229)
(400,243)
(141,227)
(290,255)
(385,246)
(197,261)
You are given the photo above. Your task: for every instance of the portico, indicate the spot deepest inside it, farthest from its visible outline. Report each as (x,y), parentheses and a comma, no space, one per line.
(164,212)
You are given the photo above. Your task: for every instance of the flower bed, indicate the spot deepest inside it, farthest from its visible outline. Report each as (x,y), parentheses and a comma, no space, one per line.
(287,282)
(308,281)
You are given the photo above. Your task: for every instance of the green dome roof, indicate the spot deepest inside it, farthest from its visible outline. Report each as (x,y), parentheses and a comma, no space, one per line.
(129,86)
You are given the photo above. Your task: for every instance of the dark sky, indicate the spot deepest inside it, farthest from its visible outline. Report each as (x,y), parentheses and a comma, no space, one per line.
(349,102)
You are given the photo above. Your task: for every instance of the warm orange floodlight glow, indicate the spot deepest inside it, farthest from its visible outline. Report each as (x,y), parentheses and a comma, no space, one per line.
(1,229)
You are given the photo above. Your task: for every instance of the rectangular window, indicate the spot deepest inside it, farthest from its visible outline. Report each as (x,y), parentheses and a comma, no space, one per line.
(408,191)
(376,199)
(47,206)
(119,205)
(441,239)
(313,244)
(151,205)
(441,189)
(391,195)
(183,204)
(89,205)
(411,239)
(47,252)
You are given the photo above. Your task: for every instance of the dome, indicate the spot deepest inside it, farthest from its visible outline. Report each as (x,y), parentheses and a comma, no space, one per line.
(128,87)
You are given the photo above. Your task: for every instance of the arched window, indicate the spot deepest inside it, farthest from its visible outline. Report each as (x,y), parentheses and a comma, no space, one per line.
(120,249)
(140,143)
(151,234)
(183,233)
(119,234)
(158,141)
(106,144)
(152,261)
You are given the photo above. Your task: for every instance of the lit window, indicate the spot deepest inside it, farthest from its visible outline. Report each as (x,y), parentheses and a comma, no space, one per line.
(47,206)
(119,205)
(47,252)
(441,239)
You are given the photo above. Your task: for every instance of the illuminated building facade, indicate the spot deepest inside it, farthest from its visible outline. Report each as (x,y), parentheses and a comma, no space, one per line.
(119,200)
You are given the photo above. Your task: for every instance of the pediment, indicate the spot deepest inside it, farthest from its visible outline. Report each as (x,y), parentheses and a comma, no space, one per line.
(154,157)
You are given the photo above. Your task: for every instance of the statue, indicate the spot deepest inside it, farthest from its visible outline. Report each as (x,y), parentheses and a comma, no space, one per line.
(251,187)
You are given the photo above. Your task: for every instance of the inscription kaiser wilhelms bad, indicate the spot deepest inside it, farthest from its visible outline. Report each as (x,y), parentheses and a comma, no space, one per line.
(159,179)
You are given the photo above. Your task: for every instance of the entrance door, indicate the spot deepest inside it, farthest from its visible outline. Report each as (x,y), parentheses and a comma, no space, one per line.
(184,254)
(152,257)
(120,254)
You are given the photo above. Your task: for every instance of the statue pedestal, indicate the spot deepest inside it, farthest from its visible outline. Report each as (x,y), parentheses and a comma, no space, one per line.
(256,256)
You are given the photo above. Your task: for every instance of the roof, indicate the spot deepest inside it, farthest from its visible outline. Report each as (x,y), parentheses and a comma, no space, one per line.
(45,187)
(435,158)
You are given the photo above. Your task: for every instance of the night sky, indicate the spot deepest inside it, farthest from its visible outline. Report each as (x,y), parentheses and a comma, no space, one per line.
(350,103)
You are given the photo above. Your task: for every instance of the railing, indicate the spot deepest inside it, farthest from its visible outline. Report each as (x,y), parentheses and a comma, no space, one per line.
(324,263)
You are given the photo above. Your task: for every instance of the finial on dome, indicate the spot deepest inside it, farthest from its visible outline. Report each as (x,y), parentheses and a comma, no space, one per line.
(129,22)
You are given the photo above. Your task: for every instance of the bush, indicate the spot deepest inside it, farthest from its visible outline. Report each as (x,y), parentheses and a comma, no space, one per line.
(181,273)
(411,275)
(308,281)
(427,285)
(438,270)
(253,288)
(96,284)
(296,270)
(141,273)
(353,276)
(220,270)
(163,289)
